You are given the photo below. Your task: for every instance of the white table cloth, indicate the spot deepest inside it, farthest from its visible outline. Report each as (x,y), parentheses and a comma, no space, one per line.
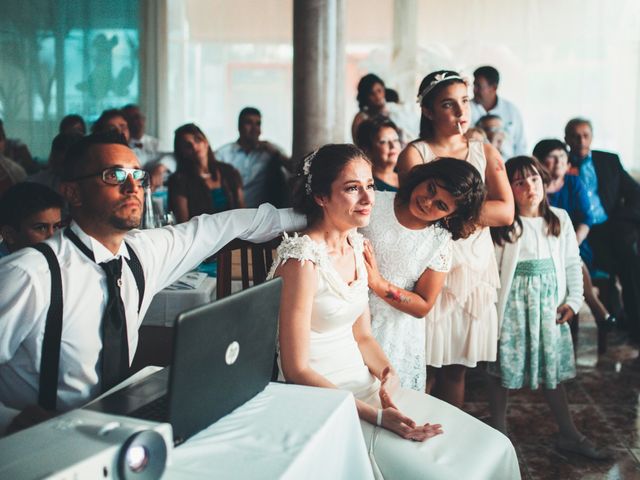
(167,303)
(285,432)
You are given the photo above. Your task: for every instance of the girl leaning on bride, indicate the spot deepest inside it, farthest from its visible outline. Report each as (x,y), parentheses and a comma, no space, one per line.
(325,337)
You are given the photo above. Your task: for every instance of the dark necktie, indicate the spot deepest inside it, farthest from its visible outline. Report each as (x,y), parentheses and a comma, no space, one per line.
(115,347)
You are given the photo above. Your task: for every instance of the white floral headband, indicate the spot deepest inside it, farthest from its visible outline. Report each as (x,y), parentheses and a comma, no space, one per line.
(440,77)
(306,170)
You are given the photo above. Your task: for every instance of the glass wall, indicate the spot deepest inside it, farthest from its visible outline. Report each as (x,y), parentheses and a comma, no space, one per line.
(224,56)
(64,56)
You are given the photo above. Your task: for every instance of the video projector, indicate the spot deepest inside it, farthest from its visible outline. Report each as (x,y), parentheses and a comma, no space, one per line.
(85,444)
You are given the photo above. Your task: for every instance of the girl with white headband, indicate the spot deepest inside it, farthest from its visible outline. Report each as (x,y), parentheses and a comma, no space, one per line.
(462,327)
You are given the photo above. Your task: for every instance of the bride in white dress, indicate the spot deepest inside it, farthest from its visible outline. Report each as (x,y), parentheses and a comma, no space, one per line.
(408,255)
(325,337)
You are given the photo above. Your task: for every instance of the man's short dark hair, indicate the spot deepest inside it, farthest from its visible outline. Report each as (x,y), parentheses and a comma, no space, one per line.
(488,116)
(77,153)
(105,116)
(25,199)
(247,111)
(574,122)
(489,73)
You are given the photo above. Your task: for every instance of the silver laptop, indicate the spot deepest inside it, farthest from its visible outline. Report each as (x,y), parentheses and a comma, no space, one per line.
(223,355)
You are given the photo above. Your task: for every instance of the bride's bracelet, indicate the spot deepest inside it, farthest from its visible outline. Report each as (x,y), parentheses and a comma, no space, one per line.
(379,418)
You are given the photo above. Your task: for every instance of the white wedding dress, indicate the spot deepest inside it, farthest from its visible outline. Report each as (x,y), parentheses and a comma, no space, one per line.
(402,256)
(467,449)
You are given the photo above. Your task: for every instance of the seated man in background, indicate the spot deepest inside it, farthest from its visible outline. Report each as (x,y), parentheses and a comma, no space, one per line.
(10,172)
(615,234)
(104,297)
(487,102)
(259,162)
(110,120)
(492,127)
(51,175)
(144,146)
(29,214)
(17,151)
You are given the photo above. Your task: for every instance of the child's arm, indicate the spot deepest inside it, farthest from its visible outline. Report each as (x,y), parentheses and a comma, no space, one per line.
(419,302)
(498,208)
(573,269)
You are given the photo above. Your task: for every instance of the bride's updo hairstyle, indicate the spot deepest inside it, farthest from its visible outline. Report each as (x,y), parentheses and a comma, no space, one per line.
(462,180)
(429,89)
(317,171)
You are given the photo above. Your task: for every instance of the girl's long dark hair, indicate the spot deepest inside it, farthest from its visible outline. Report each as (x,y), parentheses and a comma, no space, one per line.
(458,177)
(522,166)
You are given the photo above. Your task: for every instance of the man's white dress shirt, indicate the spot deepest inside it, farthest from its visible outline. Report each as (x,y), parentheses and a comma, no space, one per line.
(253,167)
(165,254)
(515,142)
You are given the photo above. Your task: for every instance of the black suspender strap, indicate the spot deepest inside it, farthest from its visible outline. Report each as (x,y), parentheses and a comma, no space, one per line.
(78,243)
(50,357)
(133,262)
(138,274)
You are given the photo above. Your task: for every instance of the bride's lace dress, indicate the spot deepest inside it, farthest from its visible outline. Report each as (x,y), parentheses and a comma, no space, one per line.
(402,256)
(467,449)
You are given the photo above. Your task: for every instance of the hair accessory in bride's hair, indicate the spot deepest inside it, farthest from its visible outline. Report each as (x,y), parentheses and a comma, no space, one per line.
(440,77)
(306,170)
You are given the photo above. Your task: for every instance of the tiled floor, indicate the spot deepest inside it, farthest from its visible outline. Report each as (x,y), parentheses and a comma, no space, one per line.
(605,401)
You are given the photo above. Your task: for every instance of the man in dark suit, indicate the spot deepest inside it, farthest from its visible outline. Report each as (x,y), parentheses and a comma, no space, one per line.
(615,200)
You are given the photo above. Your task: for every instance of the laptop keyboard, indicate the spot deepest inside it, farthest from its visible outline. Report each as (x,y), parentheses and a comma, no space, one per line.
(156,411)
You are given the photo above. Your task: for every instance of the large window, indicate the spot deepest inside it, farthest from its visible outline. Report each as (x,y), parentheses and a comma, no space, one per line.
(224,56)
(64,56)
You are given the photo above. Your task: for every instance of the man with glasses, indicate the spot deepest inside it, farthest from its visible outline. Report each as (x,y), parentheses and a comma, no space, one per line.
(99,298)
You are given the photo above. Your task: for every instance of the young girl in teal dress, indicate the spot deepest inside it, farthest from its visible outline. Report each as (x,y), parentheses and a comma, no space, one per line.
(541,291)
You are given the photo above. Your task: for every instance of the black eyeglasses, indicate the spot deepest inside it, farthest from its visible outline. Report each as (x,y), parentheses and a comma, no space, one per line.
(118,175)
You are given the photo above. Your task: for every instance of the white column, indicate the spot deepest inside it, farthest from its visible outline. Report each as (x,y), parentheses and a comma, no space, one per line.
(405,49)
(318,74)
(154,70)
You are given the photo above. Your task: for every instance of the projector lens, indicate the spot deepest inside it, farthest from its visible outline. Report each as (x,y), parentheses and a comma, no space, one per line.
(137,458)
(143,456)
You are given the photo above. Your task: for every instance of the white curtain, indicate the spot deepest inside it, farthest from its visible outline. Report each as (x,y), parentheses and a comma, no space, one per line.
(557,60)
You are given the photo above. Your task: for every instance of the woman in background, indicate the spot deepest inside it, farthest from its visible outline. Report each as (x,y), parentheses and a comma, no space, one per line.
(379,138)
(201,184)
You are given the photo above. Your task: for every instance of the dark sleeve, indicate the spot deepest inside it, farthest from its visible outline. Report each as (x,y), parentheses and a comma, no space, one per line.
(628,195)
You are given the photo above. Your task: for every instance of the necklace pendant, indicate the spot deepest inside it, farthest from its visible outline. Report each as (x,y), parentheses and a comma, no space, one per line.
(119,282)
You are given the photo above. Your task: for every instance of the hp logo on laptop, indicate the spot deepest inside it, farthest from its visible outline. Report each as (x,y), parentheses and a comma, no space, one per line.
(231,355)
